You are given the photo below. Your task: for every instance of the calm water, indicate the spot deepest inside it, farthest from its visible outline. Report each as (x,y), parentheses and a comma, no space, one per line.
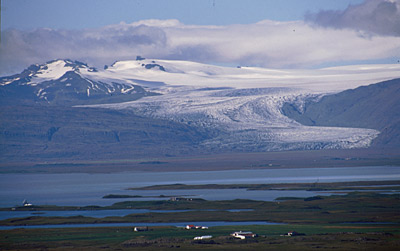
(94,213)
(177,224)
(88,189)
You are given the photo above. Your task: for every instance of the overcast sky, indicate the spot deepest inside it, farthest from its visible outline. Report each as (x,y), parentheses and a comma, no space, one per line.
(274,34)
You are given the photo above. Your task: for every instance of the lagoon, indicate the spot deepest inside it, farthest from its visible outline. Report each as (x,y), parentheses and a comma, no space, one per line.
(95,213)
(81,189)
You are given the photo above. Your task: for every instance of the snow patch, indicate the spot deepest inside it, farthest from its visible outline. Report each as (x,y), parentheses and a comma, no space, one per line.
(53,70)
(39,93)
(7,82)
(126,90)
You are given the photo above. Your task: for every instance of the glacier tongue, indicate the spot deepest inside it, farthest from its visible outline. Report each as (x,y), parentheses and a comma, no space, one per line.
(244,104)
(240,106)
(247,119)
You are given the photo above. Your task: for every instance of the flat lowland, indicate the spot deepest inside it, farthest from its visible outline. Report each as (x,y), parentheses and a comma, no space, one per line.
(357,220)
(393,185)
(355,207)
(213,162)
(321,237)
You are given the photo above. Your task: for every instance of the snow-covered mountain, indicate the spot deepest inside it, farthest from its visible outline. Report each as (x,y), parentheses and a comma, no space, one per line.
(243,104)
(65,82)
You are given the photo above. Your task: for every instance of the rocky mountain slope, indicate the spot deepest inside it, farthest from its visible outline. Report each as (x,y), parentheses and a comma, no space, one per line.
(67,109)
(375,106)
(62,82)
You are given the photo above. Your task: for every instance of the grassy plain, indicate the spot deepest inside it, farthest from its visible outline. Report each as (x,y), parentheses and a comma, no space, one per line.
(366,220)
(354,207)
(322,237)
(317,186)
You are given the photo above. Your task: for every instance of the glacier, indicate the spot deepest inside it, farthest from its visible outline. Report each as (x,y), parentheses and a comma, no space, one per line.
(230,109)
(243,104)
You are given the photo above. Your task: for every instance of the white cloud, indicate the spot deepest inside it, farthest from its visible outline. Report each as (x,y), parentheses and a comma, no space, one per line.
(374,16)
(266,43)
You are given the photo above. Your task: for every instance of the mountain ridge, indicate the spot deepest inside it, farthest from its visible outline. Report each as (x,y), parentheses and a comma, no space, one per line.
(149,107)
(60,82)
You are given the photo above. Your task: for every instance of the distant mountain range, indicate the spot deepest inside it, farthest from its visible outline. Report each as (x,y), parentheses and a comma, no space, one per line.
(140,108)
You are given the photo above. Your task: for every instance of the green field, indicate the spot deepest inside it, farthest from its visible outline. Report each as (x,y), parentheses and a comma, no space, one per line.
(364,220)
(317,186)
(323,237)
(352,207)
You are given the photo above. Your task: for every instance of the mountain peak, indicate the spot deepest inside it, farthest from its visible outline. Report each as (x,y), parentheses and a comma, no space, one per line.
(66,82)
(51,70)
(139,63)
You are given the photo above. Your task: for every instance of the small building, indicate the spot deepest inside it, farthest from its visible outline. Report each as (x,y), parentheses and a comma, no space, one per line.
(204,237)
(243,235)
(25,203)
(195,227)
(292,233)
(180,199)
(140,229)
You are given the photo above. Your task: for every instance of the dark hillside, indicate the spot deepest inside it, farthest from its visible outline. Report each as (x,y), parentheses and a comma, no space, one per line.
(54,133)
(375,106)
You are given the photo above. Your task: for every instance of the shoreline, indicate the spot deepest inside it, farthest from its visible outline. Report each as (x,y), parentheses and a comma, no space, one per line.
(330,158)
(340,188)
(310,210)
